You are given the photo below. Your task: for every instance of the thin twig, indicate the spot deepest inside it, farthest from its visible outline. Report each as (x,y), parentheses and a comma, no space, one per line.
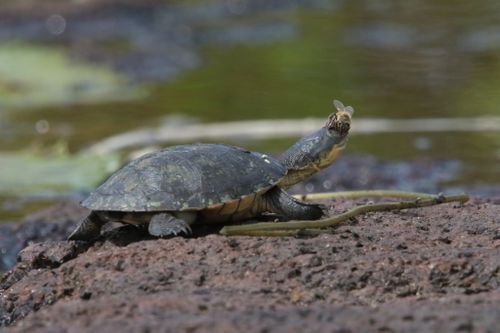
(292,228)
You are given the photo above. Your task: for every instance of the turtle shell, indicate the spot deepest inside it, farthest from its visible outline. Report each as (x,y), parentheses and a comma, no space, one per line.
(188,177)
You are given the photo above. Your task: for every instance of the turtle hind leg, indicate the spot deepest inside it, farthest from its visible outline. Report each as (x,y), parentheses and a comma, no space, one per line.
(167,225)
(278,201)
(88,229)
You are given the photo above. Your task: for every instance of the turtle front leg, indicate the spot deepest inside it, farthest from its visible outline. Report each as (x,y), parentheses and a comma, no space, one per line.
(278,201)
(88,229)
(165,225)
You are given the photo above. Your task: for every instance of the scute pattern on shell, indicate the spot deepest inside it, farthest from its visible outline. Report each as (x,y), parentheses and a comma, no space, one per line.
(188,177)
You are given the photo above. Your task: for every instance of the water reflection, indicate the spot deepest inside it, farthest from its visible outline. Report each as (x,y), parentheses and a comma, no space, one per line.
(230,60)
(431,56)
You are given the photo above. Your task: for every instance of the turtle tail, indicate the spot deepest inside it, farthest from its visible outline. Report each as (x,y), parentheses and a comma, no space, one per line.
(88,229)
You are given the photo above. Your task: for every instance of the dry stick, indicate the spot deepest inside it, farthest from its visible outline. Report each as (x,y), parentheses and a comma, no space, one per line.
(281,128)
(297,228)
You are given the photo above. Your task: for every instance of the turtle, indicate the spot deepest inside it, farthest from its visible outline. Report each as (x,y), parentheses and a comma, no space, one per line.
(170,190)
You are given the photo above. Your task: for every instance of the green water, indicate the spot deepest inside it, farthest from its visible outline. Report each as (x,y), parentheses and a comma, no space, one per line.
(389,59)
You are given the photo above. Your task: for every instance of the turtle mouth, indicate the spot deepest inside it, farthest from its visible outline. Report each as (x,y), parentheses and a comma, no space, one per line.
(343,128)
(342,125)
(339,137)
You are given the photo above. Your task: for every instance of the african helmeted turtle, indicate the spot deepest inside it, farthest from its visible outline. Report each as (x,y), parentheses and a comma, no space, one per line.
(174,188)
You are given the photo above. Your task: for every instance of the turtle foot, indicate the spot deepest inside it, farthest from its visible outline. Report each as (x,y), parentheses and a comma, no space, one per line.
(289,208)
(166,225)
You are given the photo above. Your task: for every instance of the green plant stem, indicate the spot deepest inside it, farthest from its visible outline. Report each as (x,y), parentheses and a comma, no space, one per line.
(363,194)
(293,228)
(278,233)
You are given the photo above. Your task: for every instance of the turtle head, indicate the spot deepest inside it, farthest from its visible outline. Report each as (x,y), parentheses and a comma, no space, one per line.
(318,150)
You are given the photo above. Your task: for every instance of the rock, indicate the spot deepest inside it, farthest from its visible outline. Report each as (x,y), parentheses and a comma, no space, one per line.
(54,223)
(401,279)
(50,254)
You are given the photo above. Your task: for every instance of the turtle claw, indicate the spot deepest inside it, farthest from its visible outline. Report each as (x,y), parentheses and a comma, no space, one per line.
(167,225)
(324,209)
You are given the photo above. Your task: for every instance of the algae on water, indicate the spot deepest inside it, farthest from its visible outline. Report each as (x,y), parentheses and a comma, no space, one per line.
(24,173)
(36,76)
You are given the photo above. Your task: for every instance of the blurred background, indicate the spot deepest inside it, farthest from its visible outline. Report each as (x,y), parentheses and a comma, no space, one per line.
(75,73)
